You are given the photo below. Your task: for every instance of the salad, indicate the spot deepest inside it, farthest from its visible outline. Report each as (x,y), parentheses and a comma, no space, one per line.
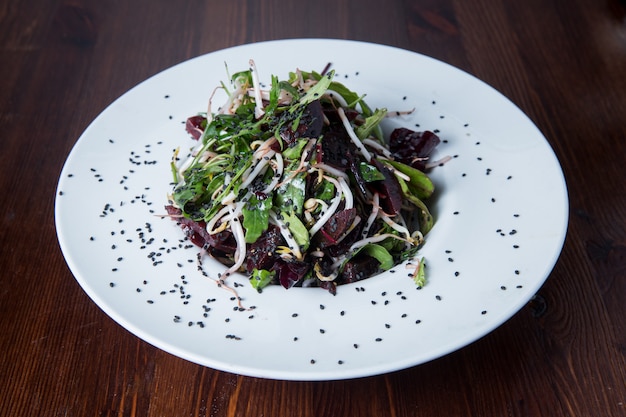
(294,184)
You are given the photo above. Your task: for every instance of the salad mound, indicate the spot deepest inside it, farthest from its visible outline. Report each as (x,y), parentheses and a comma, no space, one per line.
(295,185)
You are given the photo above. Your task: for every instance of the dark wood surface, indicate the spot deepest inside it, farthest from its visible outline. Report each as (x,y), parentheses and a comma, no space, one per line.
(563,62)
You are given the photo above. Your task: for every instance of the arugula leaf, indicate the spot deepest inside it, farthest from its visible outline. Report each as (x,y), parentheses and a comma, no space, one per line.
(261,278)
(376,251)
(371,122)
(256,217)
(370,173)
(295,151)
(298,230)
(381,254)
(426,219)
(420,185)
(315,92)
(420,275)
(290,196)
(325,191)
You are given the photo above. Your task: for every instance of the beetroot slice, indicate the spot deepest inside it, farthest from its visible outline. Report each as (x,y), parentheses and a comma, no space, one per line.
(193,126)
(411,147)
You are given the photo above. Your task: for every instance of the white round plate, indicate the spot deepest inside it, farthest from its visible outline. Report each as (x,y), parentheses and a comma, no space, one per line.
(501,213)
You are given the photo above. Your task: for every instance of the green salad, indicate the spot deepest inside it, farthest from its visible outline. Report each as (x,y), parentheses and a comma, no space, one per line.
(294,184)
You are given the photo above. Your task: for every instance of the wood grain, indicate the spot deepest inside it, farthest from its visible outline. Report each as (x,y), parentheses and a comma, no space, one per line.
(562,62)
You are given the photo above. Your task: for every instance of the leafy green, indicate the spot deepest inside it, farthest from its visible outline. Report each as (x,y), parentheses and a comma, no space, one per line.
(316,91)
(371,122)
(299,232)
(256,215)
(426,219)
(290,195)
(261,278)
(420,274)
(277,187)
(380,253)
(370,173)
(420,185)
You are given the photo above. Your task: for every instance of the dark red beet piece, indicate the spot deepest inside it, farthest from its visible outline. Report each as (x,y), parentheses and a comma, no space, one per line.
(358,268)
(194,126)
(289,273)
(389,189)
(337,225)
(261,254)
(411,148)
(197,234)
(310,124)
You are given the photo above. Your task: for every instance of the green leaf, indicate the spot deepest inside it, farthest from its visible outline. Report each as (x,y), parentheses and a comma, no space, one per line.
(295,151)
(426,219)
(256,217)
(371,122)
(370,173)
(380,253)
(325,190)
(348,95)
(315,92)
(261,278)
(420,275)
(243,77)
(299,232)
(420,185)
(285,85)
(290,196)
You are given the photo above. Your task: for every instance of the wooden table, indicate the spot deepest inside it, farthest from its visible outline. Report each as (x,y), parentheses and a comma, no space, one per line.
(563,62)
